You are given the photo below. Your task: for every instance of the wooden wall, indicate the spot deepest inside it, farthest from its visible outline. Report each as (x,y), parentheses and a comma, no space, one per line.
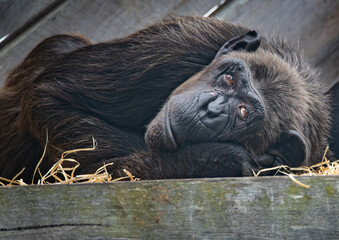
(29,22)
(311,24)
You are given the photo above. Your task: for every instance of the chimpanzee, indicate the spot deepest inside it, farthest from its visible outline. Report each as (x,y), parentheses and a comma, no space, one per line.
(185,97)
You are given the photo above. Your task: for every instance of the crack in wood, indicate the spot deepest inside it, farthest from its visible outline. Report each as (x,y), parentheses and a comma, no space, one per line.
(53,226)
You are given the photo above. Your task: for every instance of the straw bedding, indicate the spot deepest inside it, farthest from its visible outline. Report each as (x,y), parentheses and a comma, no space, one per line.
(58,174)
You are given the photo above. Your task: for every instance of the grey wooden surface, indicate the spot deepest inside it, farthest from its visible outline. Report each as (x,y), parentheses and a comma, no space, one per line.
(98,20)
(15,14)
(311,24)
(229,208)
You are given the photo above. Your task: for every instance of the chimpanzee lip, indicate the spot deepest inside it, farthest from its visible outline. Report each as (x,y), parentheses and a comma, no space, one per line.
(170,140)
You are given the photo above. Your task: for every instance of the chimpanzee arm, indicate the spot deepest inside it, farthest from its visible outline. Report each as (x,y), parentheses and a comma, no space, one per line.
(71,128)
(204,160)
(198,160)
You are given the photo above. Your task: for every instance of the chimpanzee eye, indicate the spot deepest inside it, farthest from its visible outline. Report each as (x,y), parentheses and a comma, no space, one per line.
(229,79)
(244,112)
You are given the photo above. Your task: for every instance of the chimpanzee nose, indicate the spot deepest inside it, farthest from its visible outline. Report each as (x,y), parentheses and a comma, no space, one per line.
(206,97)
(213,114)
(215,107)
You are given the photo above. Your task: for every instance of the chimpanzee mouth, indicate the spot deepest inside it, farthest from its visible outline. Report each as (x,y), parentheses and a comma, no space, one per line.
(170,140)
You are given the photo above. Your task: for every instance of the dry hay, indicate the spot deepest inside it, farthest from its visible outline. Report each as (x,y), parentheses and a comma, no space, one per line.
(324,168)
(58,174)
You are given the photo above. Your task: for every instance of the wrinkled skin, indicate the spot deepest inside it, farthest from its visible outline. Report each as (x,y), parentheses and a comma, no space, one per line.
(207,108)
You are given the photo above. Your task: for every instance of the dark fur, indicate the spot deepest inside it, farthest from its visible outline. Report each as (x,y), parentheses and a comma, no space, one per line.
(111,91)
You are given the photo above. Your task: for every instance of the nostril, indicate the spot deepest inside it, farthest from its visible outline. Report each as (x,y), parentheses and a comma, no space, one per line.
(213,112)
(214,109)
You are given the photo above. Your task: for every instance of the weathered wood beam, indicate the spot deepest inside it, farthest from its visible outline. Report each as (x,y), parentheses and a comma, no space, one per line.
(224,208)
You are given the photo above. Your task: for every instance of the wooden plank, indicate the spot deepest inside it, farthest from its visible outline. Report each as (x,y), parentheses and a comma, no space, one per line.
(311,25)
(225,208)
(16,13)
(99,20)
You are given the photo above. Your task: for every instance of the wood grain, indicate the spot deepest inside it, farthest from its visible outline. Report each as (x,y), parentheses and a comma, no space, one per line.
(98,20)
(15,14)
(225,208)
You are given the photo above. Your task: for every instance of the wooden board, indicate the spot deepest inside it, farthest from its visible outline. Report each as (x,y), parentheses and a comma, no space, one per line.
(14,14)
(229,208)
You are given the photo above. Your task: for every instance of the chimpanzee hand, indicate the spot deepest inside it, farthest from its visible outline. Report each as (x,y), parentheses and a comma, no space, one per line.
(204,160)
(226,159)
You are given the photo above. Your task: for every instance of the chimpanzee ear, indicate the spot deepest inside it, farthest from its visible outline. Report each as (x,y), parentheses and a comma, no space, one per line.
(249,42)
(291,149)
